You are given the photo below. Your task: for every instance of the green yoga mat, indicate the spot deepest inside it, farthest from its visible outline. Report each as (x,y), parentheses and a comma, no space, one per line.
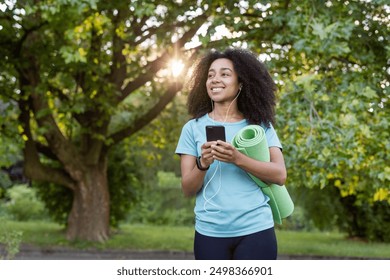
(252,142)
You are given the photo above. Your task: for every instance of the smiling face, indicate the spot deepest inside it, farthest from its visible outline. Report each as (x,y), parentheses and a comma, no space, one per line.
(222,82)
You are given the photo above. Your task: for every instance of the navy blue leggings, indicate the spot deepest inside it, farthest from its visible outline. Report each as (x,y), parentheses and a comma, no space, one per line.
(261,245)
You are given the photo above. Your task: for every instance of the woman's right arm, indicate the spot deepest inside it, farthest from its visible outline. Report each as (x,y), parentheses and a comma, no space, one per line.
(191,176)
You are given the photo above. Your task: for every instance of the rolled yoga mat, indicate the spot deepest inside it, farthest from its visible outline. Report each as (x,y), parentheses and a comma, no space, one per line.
(252,142)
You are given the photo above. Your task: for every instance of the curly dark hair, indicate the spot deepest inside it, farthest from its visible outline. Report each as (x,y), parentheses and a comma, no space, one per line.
(257,99)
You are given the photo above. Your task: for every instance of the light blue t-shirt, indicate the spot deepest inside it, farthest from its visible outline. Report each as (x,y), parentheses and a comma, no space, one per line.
(230,203)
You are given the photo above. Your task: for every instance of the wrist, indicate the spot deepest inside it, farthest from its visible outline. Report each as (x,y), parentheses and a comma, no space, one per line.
(238,159)
(200,166)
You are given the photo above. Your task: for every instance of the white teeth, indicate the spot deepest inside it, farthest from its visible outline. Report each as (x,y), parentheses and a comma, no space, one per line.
(216,89)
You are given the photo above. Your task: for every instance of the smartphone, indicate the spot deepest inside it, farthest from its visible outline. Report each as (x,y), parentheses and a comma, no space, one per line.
(215,132)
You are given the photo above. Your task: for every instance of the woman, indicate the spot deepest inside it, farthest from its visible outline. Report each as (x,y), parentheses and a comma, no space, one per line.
(232,217)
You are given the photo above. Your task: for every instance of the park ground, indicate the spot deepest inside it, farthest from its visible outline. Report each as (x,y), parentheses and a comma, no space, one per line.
(28,252)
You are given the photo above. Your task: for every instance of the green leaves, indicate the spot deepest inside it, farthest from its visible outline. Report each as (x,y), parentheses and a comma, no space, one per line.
(333,105)
(369,93)
(319,30)
(70,55)
(330,60)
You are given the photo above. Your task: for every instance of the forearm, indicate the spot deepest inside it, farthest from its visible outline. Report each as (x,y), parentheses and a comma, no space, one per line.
(192,182)
(268,172)
(273,171)
(192,177)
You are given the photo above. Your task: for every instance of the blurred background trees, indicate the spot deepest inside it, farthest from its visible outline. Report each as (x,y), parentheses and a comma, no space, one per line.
(92,94)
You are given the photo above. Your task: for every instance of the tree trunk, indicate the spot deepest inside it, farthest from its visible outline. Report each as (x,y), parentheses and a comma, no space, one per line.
(89,218)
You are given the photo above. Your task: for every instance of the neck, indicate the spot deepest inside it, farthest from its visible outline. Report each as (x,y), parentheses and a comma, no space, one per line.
(226,114)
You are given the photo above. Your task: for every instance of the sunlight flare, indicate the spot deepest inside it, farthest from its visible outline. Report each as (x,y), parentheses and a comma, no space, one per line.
(176,66)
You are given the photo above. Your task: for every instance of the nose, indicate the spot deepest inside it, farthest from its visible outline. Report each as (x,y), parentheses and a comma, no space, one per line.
(215,79)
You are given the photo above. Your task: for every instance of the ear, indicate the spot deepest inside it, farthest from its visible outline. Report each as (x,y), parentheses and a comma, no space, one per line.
(240,86)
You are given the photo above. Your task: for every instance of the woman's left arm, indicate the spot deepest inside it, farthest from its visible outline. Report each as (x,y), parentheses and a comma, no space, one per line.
(269,172)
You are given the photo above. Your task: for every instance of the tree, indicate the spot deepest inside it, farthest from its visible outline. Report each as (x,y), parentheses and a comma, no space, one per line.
(74,69)
(87,75)
(332,62)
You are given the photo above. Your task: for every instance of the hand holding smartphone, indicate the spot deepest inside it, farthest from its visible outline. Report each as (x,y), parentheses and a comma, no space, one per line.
(215,132)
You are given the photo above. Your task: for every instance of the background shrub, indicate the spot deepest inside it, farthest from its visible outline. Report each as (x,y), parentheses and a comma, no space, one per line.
(9,241)
(298,221)
(163,203)
(328,210)
(22,203)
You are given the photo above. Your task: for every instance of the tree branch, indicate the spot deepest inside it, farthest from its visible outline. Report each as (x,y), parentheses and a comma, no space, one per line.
(145,119)
(149,116)
(118,67)
(33,168)
(153,67)
(59,145)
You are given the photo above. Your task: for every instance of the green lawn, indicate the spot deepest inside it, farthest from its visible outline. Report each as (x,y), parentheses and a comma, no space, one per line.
(330,244)
(147,237)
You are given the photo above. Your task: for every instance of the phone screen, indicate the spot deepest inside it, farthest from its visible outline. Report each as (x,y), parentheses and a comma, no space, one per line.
(215,132)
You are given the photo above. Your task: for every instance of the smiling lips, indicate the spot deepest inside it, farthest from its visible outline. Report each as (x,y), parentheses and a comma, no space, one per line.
(216,89)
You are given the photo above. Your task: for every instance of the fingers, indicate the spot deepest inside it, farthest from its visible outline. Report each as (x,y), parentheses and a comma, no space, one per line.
(207,155)
(223,151)
(218,150)
(207,148)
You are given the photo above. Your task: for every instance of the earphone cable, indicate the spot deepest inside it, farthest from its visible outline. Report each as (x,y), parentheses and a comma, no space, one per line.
(208,199)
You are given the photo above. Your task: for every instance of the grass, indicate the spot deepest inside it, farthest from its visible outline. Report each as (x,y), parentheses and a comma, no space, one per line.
(148,237)
(329,244)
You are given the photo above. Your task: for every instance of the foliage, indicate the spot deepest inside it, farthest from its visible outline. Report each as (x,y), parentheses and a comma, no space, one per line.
(5,182)
(166,129)
(80,77)
(84,76)
(128,182)
(163,204)
(22,203)
(57,200)
(331,62)
(9,145)
(168,180)
(300,221)
(363,220)
(332,114)
(125,181)
(368,221)
(11,240)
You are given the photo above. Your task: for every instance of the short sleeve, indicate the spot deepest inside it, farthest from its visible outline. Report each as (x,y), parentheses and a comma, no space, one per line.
(272,137)
(187,144)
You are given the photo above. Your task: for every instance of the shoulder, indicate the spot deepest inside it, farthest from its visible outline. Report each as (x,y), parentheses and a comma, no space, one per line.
(272,136)
(196,122)
(194,126)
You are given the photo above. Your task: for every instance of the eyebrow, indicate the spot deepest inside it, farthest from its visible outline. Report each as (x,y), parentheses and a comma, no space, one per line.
(222,69)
